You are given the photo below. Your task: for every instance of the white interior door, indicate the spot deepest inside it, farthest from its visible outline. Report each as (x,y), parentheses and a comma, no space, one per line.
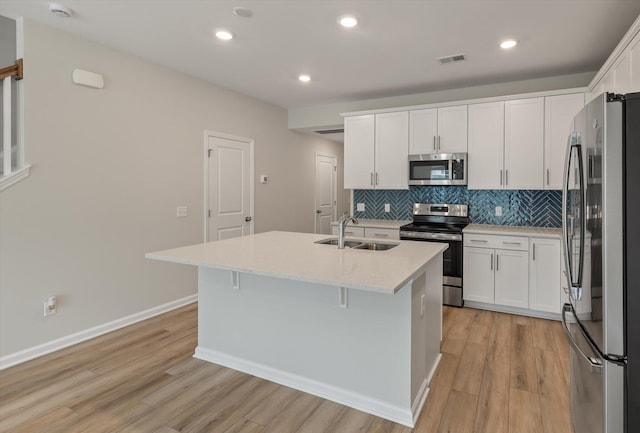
(325,193)
(229,188)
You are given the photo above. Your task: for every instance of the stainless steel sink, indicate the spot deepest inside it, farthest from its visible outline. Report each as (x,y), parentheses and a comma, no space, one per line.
(359,245)
(375,246)
(334,241)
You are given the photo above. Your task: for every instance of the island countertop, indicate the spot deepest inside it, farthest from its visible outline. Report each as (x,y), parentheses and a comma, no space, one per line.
(296,256)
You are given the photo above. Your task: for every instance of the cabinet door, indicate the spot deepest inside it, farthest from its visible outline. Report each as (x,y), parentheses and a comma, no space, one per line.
(423,131)
(544,275)
(359,151)
(523,143)
(559,112)
(512,278)
(392,147)
(621,74)
(486,142)
(452,129)
(478,283)
(634,64)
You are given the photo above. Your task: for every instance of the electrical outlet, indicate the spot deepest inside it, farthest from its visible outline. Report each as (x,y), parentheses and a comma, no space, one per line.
(360,207)
(498,210)
(181,211)
(387,207)
(50,306)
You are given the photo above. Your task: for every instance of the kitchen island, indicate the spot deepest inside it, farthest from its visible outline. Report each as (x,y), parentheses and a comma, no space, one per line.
(358,327)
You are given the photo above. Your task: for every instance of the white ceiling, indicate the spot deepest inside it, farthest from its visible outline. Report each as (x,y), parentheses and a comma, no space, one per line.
(392,52)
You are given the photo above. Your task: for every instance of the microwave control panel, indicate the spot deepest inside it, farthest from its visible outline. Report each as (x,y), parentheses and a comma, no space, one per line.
(457,169)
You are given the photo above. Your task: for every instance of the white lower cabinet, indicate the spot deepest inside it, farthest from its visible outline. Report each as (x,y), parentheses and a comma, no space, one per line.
(512,278)
(496,276)
(518,272)
(545,275)
(478,274)
(368,232)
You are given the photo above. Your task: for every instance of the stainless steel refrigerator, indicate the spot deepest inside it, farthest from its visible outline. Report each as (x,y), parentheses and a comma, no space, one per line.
(601,231)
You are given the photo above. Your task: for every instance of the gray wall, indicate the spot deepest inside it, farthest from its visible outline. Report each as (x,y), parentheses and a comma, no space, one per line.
(109,168)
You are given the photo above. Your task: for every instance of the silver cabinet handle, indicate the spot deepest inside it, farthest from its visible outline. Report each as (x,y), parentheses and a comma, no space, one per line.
(434,142)
(596,364)
(491,263)
(547,177)
(534,252)
(381,235)
(506,177)
(510,243)
(371,178)
(377,178)
(500,177)
(438,142)
(497,262)
(348,233)
(479,241)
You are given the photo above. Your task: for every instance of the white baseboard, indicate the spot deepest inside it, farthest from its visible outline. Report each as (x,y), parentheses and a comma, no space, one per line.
(60,343)
(423,392)
(339,395)
(513,310)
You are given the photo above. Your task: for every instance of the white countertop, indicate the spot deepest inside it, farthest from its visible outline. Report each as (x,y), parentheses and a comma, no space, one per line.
(489,229)
(377,224)
(295,256)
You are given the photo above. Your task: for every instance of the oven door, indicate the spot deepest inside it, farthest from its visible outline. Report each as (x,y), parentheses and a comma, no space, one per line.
(451,263)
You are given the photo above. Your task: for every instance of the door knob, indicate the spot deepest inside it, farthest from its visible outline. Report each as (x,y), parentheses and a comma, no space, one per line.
(247,219)
(318,211)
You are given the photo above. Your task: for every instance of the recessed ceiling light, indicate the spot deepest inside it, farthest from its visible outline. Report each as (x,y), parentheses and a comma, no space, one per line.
(225,35)
(509,43)
(60,11)
(348,21)
(304,78)
(242,12)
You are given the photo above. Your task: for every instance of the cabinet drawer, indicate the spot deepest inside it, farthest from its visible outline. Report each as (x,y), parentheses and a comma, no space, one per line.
(520,243)
(382,233)
(353,232)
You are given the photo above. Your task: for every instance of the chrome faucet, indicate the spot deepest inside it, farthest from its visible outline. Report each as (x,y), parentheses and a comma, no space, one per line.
(342,224)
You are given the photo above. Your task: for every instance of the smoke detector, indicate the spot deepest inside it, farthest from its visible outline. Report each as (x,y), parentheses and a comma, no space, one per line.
(60,11)
(451,59)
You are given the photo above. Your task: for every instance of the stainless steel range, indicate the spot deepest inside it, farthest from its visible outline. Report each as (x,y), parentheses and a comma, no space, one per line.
(442,223)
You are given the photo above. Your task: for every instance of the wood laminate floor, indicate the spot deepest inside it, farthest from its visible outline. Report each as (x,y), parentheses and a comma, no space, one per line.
(499,374)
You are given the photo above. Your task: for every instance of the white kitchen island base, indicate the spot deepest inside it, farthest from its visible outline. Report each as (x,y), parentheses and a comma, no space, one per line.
(372,350)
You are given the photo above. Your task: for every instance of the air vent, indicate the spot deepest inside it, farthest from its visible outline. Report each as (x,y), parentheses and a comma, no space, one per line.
(330,131)
(451,59)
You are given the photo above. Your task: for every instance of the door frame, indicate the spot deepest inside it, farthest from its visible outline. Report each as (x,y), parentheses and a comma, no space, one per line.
(205,154)
(335,187)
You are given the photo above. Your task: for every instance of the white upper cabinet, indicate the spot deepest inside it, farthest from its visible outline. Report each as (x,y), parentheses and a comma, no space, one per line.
(438,130)
(523,143)
(621,72)
(376,150)
(559,112)
(486,144)
(391,151)
(359,140)
(634,64)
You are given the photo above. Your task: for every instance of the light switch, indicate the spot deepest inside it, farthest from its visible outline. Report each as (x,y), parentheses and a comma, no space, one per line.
(387,207)
(264,178)
(498,210)
(181,211)
(360,207)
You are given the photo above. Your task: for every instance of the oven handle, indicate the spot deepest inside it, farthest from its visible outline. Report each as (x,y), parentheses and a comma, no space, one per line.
(435,236)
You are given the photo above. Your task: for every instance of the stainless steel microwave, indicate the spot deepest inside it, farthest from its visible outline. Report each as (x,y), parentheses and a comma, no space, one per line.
(438,169)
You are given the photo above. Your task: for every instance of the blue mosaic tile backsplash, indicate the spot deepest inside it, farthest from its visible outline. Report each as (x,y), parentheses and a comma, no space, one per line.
(537,208)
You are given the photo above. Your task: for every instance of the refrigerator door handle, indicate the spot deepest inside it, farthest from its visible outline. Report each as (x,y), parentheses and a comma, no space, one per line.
(596,364)
(574,142)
